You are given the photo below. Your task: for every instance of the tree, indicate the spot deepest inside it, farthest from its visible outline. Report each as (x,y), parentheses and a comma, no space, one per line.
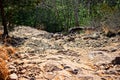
(10,9)
(4,21)
(76,12)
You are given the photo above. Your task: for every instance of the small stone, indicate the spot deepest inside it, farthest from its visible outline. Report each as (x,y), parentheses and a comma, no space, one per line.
(11,67)
(49,75)
(66,67)
(95,36)
(116,61)
(23,71)
(32,78)
(22,79)
(75,71)
(25,66)
(113,49)
(13,76)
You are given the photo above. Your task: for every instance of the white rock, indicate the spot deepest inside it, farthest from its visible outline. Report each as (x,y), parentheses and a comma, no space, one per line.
(13,76)
(12,67)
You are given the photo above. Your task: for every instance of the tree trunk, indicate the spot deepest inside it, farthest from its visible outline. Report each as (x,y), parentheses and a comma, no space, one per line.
(76,12)
(4,22)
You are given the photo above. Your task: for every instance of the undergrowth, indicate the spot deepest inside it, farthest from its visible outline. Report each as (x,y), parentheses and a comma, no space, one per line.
(5,53)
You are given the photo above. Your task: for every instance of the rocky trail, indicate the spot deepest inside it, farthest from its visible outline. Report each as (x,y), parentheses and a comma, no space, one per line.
(47,56)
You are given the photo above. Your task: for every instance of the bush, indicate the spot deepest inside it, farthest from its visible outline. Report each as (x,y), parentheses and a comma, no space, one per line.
(5,52)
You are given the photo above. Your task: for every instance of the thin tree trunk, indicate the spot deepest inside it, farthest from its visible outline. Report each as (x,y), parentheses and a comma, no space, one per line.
(76,14)
(4,22)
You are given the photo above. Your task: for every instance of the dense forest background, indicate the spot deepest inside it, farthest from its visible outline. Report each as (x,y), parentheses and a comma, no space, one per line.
(60,15)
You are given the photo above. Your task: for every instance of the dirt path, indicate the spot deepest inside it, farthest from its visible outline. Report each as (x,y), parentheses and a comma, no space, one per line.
(47,56)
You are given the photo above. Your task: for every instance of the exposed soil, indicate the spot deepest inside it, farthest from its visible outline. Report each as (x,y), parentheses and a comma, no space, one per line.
(47,56)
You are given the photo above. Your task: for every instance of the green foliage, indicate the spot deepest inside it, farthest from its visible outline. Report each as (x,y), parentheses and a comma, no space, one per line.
(58,15)
(84,17)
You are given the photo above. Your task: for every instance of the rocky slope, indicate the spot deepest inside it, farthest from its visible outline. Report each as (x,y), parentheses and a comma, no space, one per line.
(47,56)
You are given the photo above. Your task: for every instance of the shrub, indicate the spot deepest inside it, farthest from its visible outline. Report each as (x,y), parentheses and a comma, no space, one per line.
(5,52)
